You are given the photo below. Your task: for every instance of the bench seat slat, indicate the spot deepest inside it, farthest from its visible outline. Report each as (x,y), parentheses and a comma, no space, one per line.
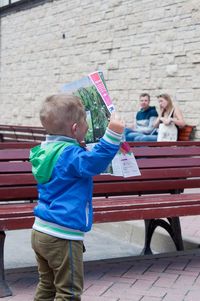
(14,179)
(100,203)
(22,137)
(11,210)
(14,154)
(16,223)
(114,203)
(115,216)
(167,151)
(10,167)
(141,187)
(107,211)
(160,173)
(6,167)
(21,133)
(167,162)
(17,145)
(23,153)
(18,193)
(164,143)
(22,128)
(141,213)
(30,192)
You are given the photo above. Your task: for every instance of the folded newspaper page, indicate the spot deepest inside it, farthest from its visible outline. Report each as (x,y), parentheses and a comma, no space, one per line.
(98,105)
(93,92)
(124,163)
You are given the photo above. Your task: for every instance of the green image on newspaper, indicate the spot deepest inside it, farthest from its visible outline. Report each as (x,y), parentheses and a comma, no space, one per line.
(96,110)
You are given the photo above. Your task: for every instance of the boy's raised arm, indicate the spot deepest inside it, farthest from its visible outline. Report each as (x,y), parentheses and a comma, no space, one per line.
(116,124)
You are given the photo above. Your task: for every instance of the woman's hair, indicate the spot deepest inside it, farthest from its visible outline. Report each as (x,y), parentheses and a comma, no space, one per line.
(59,112)
(168,99)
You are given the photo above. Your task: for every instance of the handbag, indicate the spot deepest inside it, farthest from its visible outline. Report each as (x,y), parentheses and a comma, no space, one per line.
(167,132)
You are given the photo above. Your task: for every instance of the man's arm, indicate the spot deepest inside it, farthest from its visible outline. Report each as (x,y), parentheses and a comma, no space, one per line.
(148,129)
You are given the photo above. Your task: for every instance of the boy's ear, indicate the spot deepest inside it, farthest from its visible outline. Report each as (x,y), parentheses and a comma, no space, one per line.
(74,128)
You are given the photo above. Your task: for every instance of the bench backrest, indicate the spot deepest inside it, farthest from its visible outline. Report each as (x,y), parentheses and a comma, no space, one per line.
(164,169)
(10,133)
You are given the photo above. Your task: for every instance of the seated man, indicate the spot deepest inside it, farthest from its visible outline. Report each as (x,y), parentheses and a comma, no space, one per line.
(144,129)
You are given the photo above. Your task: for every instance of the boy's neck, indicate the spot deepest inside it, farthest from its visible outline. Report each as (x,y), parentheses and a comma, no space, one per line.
(54,138)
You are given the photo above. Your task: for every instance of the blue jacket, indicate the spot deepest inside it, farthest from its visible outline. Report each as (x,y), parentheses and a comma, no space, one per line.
(64,171)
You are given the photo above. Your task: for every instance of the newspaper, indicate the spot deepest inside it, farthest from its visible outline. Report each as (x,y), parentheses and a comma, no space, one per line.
(93,92)
(98,105)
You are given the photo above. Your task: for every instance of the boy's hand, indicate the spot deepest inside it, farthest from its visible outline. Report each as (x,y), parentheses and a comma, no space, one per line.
(116,124)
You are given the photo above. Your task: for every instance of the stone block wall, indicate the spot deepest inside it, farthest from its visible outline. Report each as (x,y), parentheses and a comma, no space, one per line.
(146,45)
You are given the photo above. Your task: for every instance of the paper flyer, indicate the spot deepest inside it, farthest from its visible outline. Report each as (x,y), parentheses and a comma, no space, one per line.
(124,163)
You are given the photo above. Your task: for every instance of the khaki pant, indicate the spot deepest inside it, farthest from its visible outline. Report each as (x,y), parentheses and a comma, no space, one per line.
(60,267)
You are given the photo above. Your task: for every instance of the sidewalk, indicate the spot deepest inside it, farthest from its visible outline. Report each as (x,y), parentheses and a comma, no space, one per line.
(169,277)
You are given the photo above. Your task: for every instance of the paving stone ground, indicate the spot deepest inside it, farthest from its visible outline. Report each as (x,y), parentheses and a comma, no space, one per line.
(167,277)
(170,277)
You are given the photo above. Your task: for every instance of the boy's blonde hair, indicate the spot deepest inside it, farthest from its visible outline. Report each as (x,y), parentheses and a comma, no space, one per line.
(60,112)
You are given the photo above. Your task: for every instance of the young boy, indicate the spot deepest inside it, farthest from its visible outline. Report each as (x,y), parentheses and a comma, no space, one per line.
(64,171)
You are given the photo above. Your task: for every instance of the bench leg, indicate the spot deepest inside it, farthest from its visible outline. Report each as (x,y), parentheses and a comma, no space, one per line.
(176,234)
(173,228)
(4,288)
(149,230)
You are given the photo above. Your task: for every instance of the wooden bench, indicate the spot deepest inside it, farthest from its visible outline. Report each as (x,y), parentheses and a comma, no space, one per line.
(17,145)
(166,170)
(17,133)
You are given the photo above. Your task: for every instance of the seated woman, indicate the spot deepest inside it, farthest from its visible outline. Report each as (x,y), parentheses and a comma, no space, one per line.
(169,113)
(145,118)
